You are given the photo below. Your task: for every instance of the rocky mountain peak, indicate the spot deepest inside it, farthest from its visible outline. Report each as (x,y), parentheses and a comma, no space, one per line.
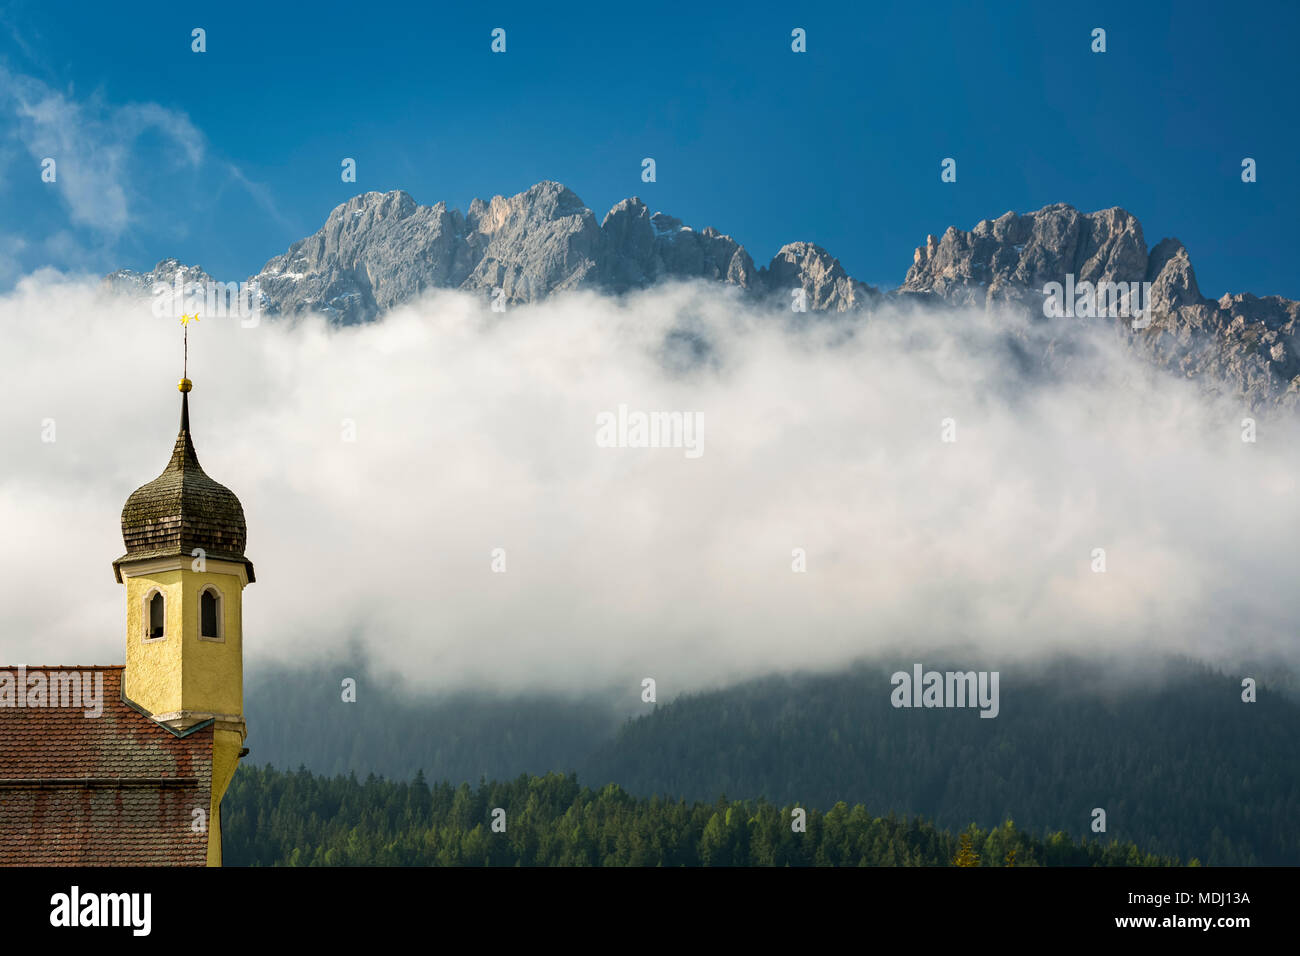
(1003,259)
(1169,270)
(165,273)
(807,266)
(379,250)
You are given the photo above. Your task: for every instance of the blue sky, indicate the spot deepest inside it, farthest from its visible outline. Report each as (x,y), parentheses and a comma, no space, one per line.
(224,158)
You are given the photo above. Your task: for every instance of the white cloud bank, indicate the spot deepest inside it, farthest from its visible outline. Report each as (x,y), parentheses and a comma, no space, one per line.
(476,431)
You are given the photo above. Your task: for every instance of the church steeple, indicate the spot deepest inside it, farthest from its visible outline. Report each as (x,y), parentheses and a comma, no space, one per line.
(185,572)
(183,510)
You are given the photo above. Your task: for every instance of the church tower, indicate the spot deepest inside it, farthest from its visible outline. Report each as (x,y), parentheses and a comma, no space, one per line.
(185,572)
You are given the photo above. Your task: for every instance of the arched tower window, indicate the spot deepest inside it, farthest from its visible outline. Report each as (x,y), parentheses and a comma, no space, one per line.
(210,622)
(157,616)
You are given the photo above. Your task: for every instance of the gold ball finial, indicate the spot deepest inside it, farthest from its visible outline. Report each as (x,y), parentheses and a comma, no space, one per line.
(184,385)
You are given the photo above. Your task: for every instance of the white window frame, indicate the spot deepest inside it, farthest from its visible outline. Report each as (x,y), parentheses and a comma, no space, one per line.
(221,614)
(148,619)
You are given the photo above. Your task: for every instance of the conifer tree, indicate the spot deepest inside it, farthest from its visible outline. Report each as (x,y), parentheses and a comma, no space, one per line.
(966,855)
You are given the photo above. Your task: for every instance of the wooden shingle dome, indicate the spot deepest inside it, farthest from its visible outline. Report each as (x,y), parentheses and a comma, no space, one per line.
(183,509)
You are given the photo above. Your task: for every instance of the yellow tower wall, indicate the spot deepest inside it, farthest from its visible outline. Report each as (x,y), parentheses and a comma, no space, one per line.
(225,759)
(183,678)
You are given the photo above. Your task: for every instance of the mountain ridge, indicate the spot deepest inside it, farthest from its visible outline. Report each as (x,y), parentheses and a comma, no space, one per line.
(378,250)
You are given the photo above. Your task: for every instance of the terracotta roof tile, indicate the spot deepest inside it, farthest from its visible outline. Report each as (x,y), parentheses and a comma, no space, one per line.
(117,789)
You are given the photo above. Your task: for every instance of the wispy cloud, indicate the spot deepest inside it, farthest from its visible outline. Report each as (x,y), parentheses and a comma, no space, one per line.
(96,146)
(264,198)
(124,171)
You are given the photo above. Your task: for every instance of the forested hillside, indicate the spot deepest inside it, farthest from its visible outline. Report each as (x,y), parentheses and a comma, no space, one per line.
(296,717)
(273,818)
(1179,763)
(1183,767)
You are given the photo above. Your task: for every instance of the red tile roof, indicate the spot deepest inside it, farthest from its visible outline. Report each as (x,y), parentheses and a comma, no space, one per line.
(114,790)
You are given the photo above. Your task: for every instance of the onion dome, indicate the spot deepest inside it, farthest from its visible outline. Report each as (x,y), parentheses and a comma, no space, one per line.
(183,509)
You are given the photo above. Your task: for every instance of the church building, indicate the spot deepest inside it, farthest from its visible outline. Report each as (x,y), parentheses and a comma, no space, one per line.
(127,765)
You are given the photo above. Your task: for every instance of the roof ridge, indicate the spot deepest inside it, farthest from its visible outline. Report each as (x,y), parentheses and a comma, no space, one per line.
(175,732)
